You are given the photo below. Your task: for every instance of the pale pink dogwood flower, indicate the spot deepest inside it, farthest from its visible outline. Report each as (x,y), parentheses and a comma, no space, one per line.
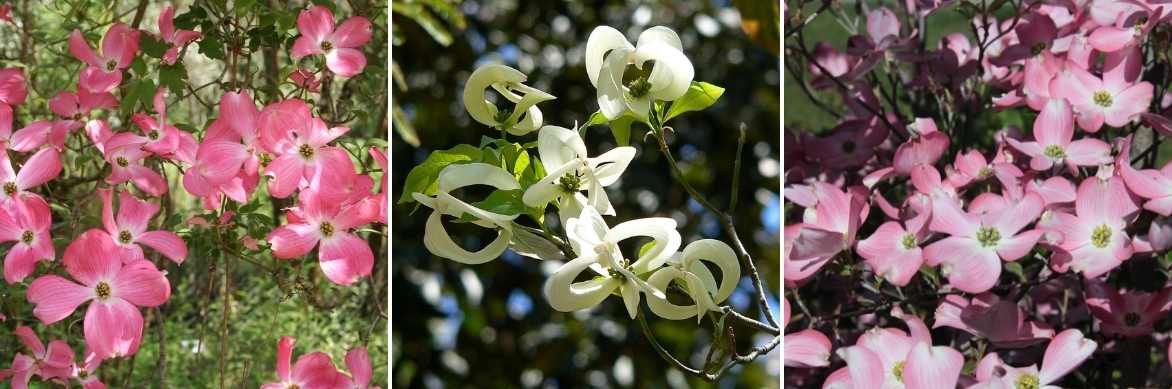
(113,323)
(312,371)
(129,229)
(318,36)
(893,251)
(828,227)
(1095,239)
(892,358)
(344,257)
(1110,100)
(40,168)
(806,348)
(176,38)
(1052,145)
(1064,353)
(104,73)
(971,256)
(27,223)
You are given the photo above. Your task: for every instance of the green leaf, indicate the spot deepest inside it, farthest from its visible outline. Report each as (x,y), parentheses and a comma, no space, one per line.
(173,77)
(424,177)
(152,46)
(212,46)
(137,91)
(243,6)
(1016,269)
(505,202)
(646,246)
(621,129)
(596,119)
(700,95)
(191,18)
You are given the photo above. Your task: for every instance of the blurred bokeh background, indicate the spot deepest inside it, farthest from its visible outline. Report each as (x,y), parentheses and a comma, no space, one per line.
(489,325)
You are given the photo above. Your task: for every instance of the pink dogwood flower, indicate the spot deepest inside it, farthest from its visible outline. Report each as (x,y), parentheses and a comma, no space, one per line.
(318,36)
(1095,239)
(300,143)
(344,257)
(988,316)
(104,72)
(129,229)
(1151,184)
(893,251)
(971,256)
(86,373)
(46,362)
(1052,145)
(358,362)
(27,223)
(1064,353)
(829,225)
(806,348)
(312,371)
(1126,313)
(40,168)
(126,161)
(13,90)
(892,358)
(1110,100)
(176,38)
(113,323)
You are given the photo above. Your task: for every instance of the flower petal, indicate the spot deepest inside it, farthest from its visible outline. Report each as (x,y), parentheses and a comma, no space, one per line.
(55,297)
(113,328)
(140,283)
(1066,351)
(345,62)
(566,295)
(603,39)
(165,242)
(345,258)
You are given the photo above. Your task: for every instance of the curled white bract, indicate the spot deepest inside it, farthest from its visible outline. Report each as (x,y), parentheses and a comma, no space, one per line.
(570,170)
(661,70)
(596,246)
(436,237)
(698,280)
(523,118)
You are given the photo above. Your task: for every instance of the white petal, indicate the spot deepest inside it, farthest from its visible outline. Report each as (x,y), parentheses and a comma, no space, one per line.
(570,207)
(660,34)
(558,146)
(631,294)
(458,176)
(609,166)
(602,40)
(450,205)
(528,123)
(722,256)
(672,74)
(482,110)
(665,309)
(437,240)
(586,231)
(597,197)
(565,295)
(611,95)
(661,229)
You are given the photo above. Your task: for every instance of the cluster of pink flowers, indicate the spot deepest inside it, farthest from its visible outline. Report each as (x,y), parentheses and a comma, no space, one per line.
(107,268)
(897,200)
(316,370)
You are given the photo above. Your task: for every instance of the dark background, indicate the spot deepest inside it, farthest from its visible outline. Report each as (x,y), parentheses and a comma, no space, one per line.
(489,325)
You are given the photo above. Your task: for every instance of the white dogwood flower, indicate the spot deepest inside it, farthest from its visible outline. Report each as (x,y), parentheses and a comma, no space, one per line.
(697,279)
(523,118)
(435,236)
(570,170)
(659,70)
(597,247)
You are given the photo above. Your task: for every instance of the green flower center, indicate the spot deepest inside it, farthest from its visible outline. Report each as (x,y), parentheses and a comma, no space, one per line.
(154,135)
(265,159)
(502,116)
(1038,48)
(1131,319)
(897,371)
(570,183)
(988,236)
(27,237)
(1103,98)
(306,151)
(327,46)
(984,172)
(1054,151)
(908,241)
(1027,381)
(10,188)
(1101,236)
(327,229)
(121,161)
(124,237)
(640,87)
(110,66)
(102,290)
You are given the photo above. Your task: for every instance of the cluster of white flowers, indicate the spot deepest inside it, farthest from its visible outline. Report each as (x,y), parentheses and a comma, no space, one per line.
(655,69)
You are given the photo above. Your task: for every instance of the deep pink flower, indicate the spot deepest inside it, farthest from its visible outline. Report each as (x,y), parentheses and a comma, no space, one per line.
(988,316)
(113,324)
(312,371)
(125,157)
(344,257)
(1126,313)
(27,223)
(971,256)
(300,143)
(45,362)
(306,79)
(358,362)
(129,229)
(176,38)
(380,157)
(1095,239)
(86,373)
(318,36)
(1052,145)
(43,166)
(1064,353)
(13,90)
(104,73)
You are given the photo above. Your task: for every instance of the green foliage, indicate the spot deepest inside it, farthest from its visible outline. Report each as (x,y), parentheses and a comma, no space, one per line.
(700,95)
(424,178)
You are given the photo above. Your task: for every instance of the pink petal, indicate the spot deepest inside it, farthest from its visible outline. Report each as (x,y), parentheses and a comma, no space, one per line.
(30,340)
(141,284)
(134,214)
(113,328)
(12,87)
(19,263)
(358,361)
(293,240)
(345,258)
(82,50)
(286,172)
(969,267)
(1018,246)
(219,161)
(284,356)
(167,22)
(1110,39)
(316,23)
(1129,104)
(864,365)
(353,32)
(305,46)
(55,298)
(92,256)
(43,166)
(148,180)
(239,113)
(6,121)
(32,136)
(1055,124)
(165,242)
(345,62)
(108,210)
(96,80)
(1066,351)
(949,219)
(1088,152)
(1010,220)
(315,370)
(1101,201)
(807,348)
(120,43)
(931,367)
